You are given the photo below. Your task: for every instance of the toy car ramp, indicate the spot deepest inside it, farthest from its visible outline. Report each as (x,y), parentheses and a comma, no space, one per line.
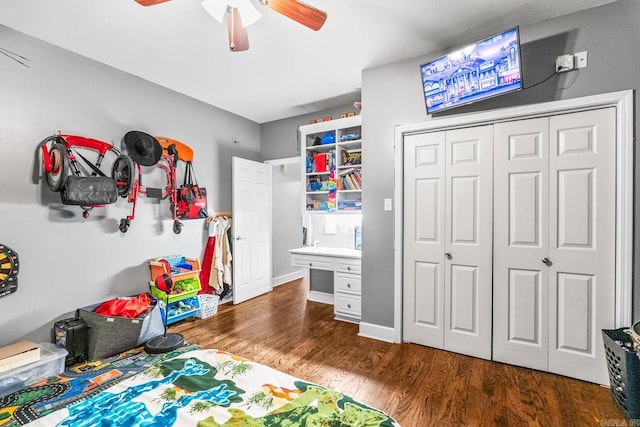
(185,153)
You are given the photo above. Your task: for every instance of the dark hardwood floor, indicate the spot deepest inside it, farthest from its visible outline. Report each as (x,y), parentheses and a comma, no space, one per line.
(418,386)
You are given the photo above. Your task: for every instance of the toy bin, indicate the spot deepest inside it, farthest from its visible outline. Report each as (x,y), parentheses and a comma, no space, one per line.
(182,289)
(51,363)
(181,309)
(179,267)
(110,335)
(623,365)
(208,305)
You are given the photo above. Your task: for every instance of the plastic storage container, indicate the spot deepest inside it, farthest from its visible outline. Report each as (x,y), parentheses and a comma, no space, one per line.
(624,371)
(158,267)
(51,363)
(182,309)
(185,288)
(208,305)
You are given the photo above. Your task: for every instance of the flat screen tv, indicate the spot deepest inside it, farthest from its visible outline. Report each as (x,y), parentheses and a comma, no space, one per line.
(481,70)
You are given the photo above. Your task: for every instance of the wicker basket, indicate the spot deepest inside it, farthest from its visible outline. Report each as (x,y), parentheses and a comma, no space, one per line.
(208,305)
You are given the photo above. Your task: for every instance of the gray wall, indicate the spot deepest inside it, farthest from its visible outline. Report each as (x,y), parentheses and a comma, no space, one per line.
(67,262)
(279,139)
(392,95)
(286,217)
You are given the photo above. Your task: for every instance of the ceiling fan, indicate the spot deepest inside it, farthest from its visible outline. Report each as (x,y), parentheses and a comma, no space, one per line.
(241,13)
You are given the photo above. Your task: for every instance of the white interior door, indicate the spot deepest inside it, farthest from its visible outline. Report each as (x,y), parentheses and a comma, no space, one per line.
(520,278)
(424,239)
(582,241)
(252,250)
(468,241)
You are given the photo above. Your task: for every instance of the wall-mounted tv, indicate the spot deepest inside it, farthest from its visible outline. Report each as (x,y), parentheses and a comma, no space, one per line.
(482,70)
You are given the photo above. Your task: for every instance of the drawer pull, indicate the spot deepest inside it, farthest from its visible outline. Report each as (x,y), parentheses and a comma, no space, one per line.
(310,264)
(348,268)
(348,305)
(348,285)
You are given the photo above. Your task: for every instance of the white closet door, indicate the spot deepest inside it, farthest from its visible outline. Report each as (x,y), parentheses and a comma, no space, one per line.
(468,241)
(582,241)
(520,278)
(423,252)
(554,248)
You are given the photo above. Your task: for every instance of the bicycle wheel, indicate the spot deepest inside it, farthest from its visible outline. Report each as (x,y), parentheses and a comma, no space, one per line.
(122,172)
(59,167)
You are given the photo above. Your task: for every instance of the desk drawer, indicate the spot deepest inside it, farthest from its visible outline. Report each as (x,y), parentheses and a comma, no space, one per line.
(347,304)
(347,265)
(348,283)
(310,261)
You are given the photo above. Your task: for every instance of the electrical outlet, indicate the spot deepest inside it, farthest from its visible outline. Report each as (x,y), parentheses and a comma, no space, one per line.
(387,205)
(564,63)
(581,59)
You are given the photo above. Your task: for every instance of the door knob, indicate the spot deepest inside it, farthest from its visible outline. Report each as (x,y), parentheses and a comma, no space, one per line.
(447,255)
(240,238)
(547,261)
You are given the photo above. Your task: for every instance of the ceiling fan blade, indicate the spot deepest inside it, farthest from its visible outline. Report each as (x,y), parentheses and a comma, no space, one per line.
(150,2)
(238,37)
(300,12)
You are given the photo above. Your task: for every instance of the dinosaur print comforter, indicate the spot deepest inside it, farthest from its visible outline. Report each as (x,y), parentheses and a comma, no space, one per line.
(211,388)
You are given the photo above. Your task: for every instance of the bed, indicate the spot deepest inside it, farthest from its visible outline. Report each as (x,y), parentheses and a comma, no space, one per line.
(210,388)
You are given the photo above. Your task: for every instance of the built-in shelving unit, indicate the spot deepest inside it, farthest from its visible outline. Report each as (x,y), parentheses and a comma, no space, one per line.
(332,161)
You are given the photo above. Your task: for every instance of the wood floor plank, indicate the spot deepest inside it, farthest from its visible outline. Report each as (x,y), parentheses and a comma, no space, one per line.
(418,386)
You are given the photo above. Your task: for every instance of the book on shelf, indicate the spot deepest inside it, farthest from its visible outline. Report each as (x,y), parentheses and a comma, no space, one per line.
(352,179)
(18,354)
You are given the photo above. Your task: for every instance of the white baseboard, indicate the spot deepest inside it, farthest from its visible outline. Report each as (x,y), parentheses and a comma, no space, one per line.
(322,297)
(286,278)
(377,332)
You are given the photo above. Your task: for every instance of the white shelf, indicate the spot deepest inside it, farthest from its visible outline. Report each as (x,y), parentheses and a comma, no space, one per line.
(346,200)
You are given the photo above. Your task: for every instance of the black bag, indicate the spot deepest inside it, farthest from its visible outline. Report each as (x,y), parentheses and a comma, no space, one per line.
(89,190)
(191,198)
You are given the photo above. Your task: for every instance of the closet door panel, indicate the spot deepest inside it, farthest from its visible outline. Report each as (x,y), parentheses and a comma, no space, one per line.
(464,295)
(464,210)
(520,294)
(576,217)
(469,235)
(582,241)
(575,313)
(524,303)
(423,269)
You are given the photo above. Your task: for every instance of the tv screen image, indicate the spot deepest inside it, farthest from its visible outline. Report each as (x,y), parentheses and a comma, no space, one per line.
(482,70)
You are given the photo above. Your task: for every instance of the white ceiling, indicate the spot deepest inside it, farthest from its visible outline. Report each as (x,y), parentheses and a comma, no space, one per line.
(289,69)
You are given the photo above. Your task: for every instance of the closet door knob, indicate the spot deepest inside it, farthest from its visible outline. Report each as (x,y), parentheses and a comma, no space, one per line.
(547,261)
(240,238)
(447,255)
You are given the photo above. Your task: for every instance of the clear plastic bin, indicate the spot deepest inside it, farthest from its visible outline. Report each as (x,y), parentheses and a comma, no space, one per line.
(51,363)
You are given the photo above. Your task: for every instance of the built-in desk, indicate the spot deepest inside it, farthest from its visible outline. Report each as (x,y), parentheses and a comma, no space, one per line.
(345,264)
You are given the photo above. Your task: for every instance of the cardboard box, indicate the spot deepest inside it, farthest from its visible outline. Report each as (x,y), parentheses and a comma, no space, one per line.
(18,354)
